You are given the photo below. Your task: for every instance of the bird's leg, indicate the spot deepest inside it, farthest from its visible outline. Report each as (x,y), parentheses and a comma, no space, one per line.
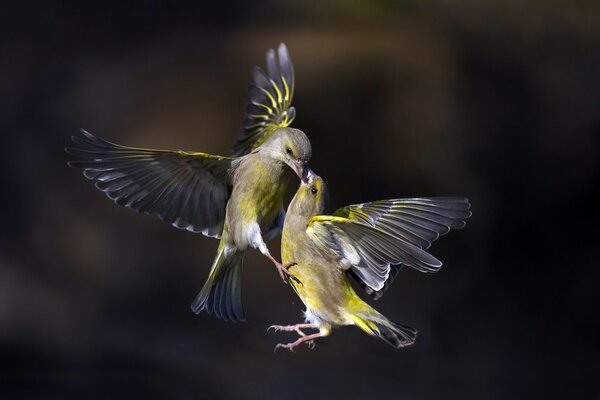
(259,243)
(308,339)
(283,269)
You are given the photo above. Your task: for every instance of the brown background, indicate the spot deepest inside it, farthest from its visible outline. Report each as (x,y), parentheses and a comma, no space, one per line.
(495,100)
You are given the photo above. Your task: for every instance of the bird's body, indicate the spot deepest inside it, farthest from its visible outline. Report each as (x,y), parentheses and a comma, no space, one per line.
(325,288)
(257,198)
(254,214)
(325,248)
(237,199)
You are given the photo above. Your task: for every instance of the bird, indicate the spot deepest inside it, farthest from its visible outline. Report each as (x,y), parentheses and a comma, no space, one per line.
(369,241)
(237,199)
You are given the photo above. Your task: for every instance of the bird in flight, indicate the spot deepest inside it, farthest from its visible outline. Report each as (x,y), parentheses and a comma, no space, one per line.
(237,199)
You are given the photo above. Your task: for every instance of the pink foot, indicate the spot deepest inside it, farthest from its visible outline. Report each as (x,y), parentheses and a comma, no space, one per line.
(304,338)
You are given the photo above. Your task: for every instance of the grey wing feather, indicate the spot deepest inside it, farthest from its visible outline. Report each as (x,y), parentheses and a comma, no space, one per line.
(419,221)
(368,251)
(187,190)
(270,107)
(377,294)
(400,230)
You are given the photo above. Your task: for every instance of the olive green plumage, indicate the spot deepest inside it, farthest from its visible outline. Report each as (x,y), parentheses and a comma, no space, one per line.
(254,213)
(366,239)
(237,199)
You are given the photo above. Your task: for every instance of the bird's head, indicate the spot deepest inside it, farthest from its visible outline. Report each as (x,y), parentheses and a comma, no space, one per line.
(292,147)
(311,198)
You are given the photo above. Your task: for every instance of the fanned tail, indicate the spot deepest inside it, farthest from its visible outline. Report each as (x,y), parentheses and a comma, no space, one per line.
(221,295)
(375,324)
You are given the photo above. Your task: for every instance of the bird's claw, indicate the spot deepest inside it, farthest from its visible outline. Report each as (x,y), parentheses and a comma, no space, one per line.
(309,340)
(287,328)
(276,328)
(284,273)
(292,346)
(288,346)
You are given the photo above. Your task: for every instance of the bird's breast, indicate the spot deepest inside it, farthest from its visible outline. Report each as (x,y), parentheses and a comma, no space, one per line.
(258,192)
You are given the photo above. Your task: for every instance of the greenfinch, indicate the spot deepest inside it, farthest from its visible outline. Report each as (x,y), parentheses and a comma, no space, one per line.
(369,240)
(237,199)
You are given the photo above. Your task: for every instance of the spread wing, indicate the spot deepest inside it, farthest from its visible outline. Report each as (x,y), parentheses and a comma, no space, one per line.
(368,238)
(187,190)
(270,101)
(419,221)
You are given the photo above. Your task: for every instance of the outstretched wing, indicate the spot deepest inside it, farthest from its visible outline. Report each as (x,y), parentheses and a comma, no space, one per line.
(419,221)
(187,190)
(370,237)
(270,101)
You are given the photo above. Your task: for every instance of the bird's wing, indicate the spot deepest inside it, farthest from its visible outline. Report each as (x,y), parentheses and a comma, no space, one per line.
(369,237)
(367,250)
(188,190)
(270,101)
(419,221)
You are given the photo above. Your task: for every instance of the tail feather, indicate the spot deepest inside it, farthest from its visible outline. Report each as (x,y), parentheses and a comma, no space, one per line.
(222,292)
(375,324)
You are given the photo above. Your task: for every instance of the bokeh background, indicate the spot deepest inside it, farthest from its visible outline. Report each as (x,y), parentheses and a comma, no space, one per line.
(495,100)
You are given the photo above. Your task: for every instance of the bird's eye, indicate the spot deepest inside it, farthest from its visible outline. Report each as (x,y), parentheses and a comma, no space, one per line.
(288,150)
(313,190)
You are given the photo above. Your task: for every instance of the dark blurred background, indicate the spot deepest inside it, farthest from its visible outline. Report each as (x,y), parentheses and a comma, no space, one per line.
(495,100)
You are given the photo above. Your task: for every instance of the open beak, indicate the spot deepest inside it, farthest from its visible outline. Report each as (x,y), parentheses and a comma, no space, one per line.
(308,176)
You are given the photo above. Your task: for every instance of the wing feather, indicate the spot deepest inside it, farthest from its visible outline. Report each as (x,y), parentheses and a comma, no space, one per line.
(187,190)
(368,251)
(419,221)
(371,238)
(269,108)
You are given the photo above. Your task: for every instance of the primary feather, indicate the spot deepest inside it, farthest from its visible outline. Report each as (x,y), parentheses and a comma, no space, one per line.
(187,190)
(413,224)
(270,107)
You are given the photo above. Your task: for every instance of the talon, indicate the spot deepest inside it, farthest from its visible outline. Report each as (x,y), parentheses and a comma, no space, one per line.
(284,346)
(276,328)
(298,281)
(280,346)
(284,273)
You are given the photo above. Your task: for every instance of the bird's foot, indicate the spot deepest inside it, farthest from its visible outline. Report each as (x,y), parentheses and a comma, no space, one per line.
(293,328)
(284,272)
(304,338)
(283,269)
(308,339)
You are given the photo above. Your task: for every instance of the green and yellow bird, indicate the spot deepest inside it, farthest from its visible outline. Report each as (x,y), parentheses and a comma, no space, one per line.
(237,199)
(370,241)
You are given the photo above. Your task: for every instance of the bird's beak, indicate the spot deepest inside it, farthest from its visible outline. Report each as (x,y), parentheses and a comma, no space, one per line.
(308,176)
(301,170)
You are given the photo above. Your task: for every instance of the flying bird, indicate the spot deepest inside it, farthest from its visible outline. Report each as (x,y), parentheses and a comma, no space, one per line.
(369,241)
(238,199)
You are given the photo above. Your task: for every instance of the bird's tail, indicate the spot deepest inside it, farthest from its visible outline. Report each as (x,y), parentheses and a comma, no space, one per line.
(221,295)
(376,324)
